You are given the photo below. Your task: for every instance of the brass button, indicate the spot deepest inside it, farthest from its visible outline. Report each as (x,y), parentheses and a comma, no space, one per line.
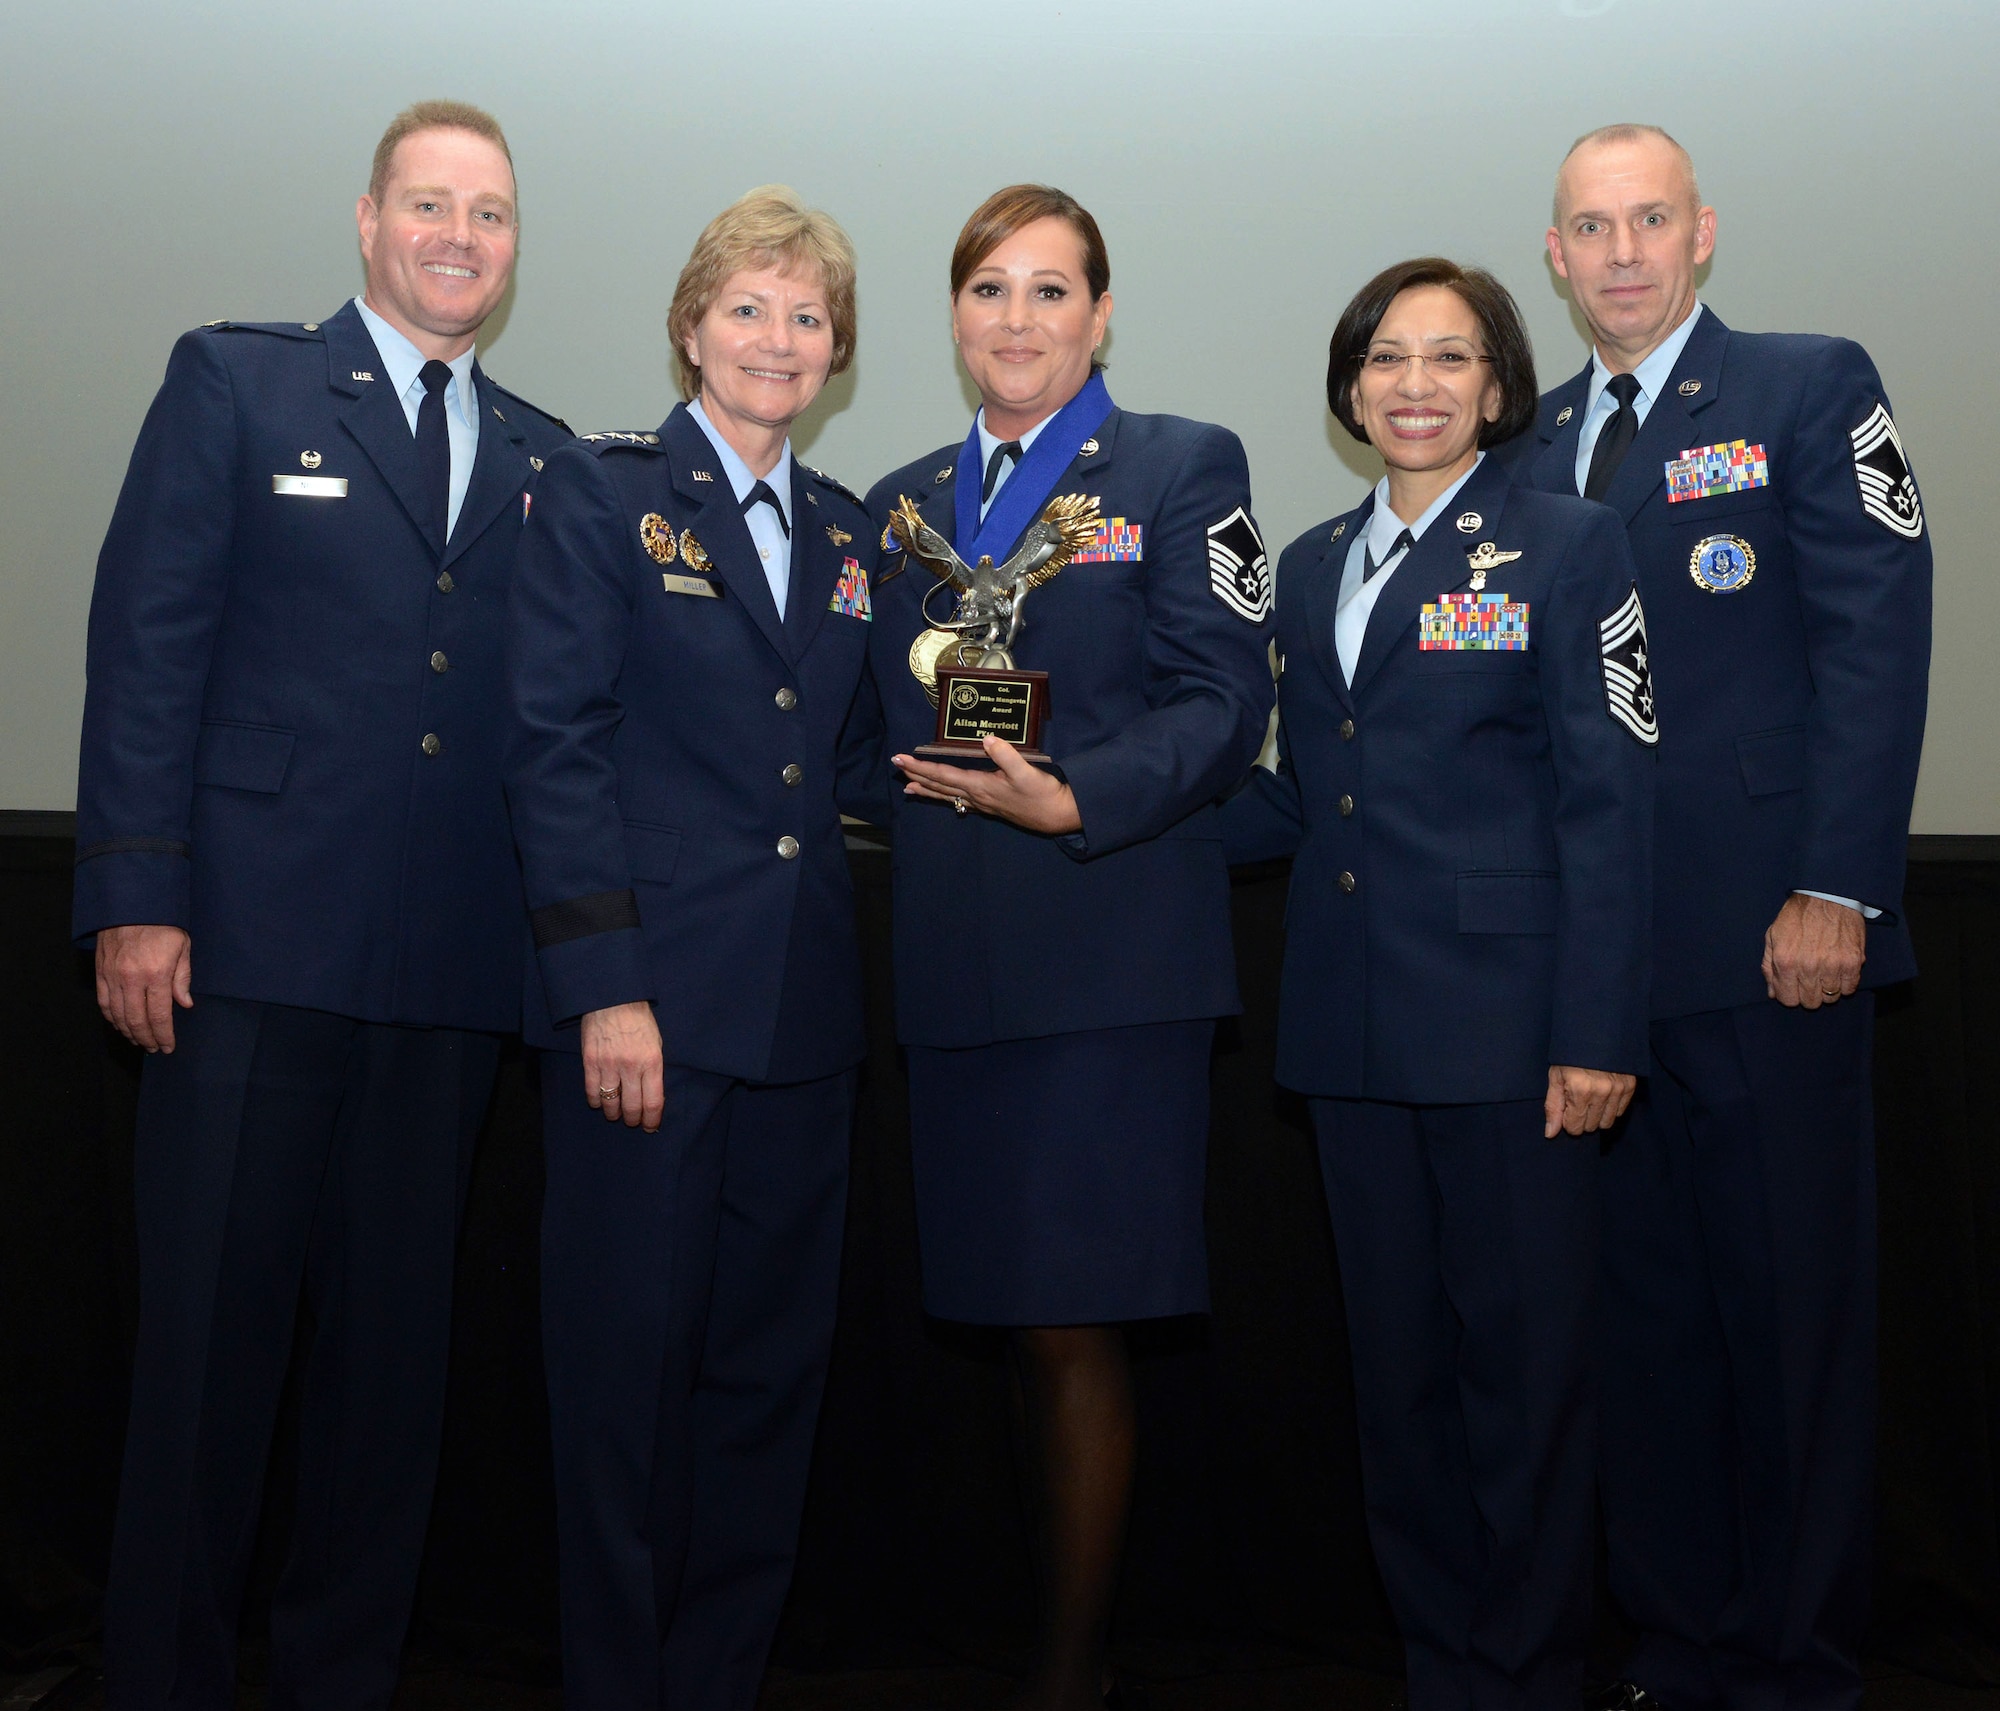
(445,583)
(788,847)
(439,662)
(787,700)
(1346,806)
(1347,882)
(432,742)
(1347,730)
(793,773)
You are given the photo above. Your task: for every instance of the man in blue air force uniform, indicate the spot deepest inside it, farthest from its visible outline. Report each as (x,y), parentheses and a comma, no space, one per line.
(1786,576)
(293,854)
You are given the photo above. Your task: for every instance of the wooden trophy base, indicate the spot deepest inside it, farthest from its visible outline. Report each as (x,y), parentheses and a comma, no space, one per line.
(976,701)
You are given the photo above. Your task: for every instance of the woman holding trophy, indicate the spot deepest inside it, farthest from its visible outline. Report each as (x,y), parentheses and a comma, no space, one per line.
(1061,903)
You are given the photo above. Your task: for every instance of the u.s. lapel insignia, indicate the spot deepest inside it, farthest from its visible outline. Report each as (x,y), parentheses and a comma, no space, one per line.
(1089,448)
(693,554)
(658,536)
(311,460)
(1563,415)
(699,475)
(942,476)
(359,374)
(839,536)
(1688,388)
(1470,523)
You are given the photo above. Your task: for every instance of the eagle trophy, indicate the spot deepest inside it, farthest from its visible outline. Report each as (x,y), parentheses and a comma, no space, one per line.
(988,615)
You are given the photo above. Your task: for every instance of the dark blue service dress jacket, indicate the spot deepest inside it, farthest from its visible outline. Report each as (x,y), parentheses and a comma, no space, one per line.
(1472,826)
(677,755)
(1786,573)
(292,736)
(1160,695)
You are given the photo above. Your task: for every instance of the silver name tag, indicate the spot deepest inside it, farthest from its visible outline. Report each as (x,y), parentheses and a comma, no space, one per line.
(690,585)
(310,486)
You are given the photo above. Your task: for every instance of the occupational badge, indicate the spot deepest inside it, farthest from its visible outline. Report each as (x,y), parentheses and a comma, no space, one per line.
(1473,623)
(1484,557)
(1239,575)
(693,554)
(1888,489)
(1628,669)
(657,534)
(1703,472)
(1722,564)
(311,460)
(1116,542)
(850,593)
(839,536)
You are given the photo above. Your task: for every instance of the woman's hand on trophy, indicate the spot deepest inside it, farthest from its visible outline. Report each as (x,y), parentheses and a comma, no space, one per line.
(1019,792)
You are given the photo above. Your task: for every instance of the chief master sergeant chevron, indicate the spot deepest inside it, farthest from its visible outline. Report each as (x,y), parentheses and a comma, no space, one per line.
(291,830)
(1786,574)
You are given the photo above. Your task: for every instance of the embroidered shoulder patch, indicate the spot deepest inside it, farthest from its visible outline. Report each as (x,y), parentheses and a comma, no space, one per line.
(1628,669)
(1882,469)
(1706,471)
(1239,575)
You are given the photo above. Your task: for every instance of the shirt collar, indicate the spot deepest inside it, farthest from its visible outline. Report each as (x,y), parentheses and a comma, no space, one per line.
(741,480)
(1384,526)
(989,443)
(405,362)
(1652,374)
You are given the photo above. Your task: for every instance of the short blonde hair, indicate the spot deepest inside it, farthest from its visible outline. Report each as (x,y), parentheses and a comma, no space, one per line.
(768,227)
(435,116)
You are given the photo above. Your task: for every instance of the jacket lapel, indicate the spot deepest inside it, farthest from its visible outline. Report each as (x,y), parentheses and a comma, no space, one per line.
(499,469)
(1435,565)
(1319,593)
(1560,425)
(816,564)
(1669,428)
(375,419)
(717,523)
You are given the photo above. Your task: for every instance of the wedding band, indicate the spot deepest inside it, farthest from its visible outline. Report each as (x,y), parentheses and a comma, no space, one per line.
(958,804)
(1829,992)
(607,1093)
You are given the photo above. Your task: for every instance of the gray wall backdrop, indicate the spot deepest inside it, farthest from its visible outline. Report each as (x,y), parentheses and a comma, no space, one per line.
(1251,161)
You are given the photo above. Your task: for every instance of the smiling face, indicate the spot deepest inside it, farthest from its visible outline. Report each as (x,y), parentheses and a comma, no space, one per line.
(764,349)
(1629,235)
(1026,327)
(1424,418)
(439,246)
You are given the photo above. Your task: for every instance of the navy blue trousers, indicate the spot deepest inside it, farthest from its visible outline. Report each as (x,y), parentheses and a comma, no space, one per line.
(1468,1257)
(1739,1359)
(689,1280)
(282,1151)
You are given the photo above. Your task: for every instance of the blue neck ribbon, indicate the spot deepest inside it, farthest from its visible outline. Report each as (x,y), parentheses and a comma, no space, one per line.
(1020,501)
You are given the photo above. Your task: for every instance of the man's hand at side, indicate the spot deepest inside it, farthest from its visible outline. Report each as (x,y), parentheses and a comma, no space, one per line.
(142,973)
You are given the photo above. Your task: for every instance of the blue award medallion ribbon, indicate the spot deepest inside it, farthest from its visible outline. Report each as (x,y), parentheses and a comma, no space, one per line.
(1020,501)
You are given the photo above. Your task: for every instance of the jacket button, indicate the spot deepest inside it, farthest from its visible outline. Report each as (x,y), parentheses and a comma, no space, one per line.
(439,662)
(445,583)
(787,700)
(1346,806)
(432,742)
(1347,882)
(788,847)
(793,773)
(1347,730)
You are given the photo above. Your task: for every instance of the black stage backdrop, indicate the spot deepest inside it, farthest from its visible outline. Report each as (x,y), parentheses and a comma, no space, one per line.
(1247,1541)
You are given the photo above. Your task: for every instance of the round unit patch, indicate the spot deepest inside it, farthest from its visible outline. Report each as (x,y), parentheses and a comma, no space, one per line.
(1722,564)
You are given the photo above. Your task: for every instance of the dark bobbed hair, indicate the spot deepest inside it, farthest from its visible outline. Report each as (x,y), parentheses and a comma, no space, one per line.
(1500,331)
(1005,212)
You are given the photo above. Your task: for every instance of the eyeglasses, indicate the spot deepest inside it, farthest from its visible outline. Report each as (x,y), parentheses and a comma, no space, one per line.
(1444,364)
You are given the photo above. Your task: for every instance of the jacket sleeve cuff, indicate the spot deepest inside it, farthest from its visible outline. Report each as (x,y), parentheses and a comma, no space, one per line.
(129,882)
(594,973)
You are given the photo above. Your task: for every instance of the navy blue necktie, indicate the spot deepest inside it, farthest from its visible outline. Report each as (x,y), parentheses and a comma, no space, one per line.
(1615,438)
(761,494)
(1001,453)
(1369,567)
(434,450)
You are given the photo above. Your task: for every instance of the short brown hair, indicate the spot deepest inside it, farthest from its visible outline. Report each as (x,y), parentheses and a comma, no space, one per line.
(767,227)
(1613,134)
(1005,212)
(435,116)
(1500,330)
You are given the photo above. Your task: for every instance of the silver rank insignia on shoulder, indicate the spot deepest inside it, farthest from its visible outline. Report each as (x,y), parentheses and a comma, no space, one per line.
(942,476)
(311,460)
(1688,388)
(1469,523)
(840,537)
(359,374)
(1563,415)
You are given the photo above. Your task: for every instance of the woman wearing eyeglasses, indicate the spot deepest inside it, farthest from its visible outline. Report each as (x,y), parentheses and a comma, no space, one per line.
(1466,741)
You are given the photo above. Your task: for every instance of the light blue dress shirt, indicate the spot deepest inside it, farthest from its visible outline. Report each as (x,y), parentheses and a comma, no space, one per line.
(988,444)
(774,546)
(1357,598)
(404,365)
(1652,374)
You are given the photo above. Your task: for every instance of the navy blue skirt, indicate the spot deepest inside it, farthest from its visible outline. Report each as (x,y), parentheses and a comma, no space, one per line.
(1059,1180)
